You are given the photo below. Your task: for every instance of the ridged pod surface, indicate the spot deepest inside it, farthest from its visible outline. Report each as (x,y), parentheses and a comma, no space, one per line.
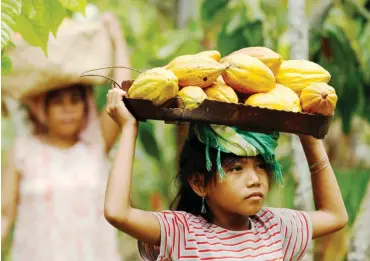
(290,98)
(157,85)
(247,74)
(214,54)
(193,96)
(195,70)
(279,98)
(319,98)
(272,59)
(298,74)
(266,100)
(221,92)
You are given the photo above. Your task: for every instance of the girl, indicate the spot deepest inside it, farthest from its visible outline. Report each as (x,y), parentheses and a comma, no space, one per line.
(54,180)
(225,175)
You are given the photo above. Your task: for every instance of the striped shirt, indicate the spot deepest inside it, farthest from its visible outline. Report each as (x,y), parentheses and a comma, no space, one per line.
(276,234)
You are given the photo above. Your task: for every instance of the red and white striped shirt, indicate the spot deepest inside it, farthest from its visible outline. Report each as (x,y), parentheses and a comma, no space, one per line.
(276,234)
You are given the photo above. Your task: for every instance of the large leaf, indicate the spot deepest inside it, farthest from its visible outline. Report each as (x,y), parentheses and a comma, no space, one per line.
(211,8)
(6,64)
(228,43)
(10,9)
(74,5)
(38,18)
(54,15)
(348,102)
(146,135)
(33,32)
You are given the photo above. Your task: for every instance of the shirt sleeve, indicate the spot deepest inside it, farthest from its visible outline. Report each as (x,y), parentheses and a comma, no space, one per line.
(295,230)
(173,233)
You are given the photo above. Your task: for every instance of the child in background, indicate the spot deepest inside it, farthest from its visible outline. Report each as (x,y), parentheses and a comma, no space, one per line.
(225,175)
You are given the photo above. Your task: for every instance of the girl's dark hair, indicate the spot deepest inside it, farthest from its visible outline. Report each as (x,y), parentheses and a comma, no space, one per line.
(193,160)
(80,88)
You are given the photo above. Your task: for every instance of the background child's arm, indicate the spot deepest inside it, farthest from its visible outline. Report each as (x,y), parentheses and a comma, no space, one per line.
(330,214)
(109,129)
(9,195)
(142,225)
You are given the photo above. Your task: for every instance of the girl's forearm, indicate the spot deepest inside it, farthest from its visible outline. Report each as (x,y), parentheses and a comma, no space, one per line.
(326,191)
(117,198)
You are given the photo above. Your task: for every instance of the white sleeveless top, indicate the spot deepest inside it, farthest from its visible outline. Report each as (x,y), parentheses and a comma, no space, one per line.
(60,210)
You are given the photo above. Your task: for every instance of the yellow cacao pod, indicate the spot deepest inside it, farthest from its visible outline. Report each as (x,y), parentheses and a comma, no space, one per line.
(220,79)
(214,54)
(266,100)
(157,85)
(247,74)
(272,59)
(290,99)
(319,98)
(221,92)
(195,70)
(298,74)
(193,96)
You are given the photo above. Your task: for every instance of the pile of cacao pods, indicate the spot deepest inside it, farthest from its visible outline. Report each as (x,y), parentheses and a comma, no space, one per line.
(254,76)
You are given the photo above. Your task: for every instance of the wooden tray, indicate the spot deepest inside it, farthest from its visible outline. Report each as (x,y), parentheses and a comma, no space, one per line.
(239,115)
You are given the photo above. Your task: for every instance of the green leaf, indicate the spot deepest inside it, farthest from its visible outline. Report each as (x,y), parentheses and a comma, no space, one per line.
(6,64)
(33,32)
(210,8)
(74,5)
(54,15)
(146,135)
(229,43)
(10,9)
(253,33)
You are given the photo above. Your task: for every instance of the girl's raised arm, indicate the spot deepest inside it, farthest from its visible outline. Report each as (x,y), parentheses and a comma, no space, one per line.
(330,214)
(142,225)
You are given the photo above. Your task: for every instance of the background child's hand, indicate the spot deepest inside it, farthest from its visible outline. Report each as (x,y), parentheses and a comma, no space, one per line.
(117,109)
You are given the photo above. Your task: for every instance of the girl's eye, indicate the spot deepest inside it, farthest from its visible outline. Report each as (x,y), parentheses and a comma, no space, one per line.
(76,99)
(57,100)
(262,165)
(236,168)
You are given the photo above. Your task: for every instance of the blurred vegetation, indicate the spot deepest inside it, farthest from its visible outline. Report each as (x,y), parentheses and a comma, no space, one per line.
(339,41)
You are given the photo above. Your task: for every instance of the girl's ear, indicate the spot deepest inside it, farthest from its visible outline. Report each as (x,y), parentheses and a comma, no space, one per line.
(197,183)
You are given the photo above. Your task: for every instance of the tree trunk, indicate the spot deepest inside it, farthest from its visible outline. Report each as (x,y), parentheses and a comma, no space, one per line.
(298,32)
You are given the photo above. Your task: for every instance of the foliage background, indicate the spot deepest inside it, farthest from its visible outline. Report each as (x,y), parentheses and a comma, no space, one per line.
(158,30)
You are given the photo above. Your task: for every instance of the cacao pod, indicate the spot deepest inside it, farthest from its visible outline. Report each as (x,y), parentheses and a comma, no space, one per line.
(220,79)
(193,96)
(272,59)
(214,54)
(157,85)
(298,74)
(319,98)
(221,92)
(195,70)
(266,100)
(290,98)
(247,74)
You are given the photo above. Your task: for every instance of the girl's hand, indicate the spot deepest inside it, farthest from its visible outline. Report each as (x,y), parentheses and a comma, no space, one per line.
(117,110)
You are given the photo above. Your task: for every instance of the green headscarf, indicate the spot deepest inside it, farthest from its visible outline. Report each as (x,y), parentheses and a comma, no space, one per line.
(239,142)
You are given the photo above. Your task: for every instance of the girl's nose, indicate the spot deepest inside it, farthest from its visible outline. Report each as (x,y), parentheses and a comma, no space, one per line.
(253,179)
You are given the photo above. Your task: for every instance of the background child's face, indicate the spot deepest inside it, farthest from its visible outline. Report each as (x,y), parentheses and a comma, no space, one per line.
(244,189)
(66,113)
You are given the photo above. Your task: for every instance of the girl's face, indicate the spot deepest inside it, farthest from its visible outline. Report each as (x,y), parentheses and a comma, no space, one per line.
(243,190)
(65,113)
